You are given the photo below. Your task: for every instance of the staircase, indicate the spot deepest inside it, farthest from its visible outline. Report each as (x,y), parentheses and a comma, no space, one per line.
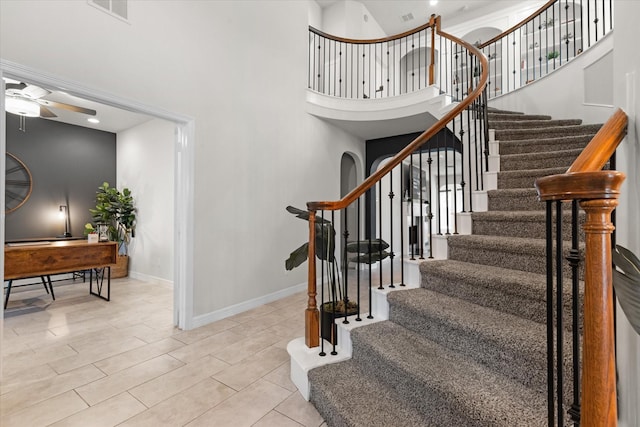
(467,348)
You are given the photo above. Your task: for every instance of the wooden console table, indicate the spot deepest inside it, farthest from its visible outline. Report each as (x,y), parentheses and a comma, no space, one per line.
(34,259)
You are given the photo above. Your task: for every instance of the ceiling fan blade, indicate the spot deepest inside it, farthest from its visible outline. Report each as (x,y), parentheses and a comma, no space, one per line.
(34,92)
(69,107)
(45,112)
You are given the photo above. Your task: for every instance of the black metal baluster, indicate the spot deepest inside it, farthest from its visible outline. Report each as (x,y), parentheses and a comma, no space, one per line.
(371,229)
(475,147)
(413,235)
(574,260)
(588,24)
(402,199)
(430,205)
(359,242)
(446,182)
(546,37)
(345,268)
(462,182)
(391,255)
(340,68)
(559,320)
(515,62)
(550,350)
(322,267)
(439,188)
(421,227)
(470,163)
(388,72)
(332,43)
(380,232)
(334,289)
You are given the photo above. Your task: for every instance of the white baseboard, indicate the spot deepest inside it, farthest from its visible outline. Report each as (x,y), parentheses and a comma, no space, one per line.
(232,310)
(150,279)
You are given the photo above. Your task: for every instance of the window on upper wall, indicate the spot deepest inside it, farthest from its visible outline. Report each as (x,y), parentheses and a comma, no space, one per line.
(116,8)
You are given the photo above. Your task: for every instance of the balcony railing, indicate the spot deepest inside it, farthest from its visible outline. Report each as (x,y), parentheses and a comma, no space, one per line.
(550,38)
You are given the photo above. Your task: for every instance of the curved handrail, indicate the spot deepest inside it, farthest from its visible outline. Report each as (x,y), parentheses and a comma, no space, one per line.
(419,141)
(433,22)
(518,25)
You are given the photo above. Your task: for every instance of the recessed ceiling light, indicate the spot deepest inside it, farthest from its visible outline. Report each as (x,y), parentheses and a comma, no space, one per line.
(93,120)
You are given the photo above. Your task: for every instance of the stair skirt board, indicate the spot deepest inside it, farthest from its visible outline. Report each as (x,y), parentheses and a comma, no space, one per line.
(467,347)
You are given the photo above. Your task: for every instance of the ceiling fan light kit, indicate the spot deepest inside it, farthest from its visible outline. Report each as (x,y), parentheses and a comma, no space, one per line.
(22,107)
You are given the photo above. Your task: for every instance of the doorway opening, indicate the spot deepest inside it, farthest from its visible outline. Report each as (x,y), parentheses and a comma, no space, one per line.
(183,161)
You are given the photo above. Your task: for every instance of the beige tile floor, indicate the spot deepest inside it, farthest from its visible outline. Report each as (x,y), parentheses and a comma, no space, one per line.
(82,361)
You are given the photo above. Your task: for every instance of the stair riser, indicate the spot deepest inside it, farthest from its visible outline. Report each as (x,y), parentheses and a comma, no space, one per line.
(515,117)
(501,202)
(524,229)
(523,162)
(540,146)
(530,124)
(517,134)
(517,182)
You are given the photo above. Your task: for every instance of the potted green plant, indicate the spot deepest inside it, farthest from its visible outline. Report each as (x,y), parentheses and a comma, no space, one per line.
(117,211)
(337,305)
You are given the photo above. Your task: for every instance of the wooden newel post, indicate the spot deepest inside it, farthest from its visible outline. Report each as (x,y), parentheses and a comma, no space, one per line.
(598,408)
(311,315)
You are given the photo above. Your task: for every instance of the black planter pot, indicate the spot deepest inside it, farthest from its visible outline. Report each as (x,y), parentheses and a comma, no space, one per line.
(328,327)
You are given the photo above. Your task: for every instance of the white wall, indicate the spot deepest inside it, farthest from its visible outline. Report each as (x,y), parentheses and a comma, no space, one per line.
(239,69)
(350,19)
(626,77)
(145,164)
(568,86)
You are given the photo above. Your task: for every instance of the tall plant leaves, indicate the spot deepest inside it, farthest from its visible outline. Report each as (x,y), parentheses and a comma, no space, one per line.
(626,281)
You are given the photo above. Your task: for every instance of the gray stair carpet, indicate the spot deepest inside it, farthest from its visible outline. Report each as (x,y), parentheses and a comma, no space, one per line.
(468,348)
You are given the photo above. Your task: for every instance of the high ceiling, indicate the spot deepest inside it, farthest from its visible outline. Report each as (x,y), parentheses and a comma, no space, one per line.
(394,16)
(397,16)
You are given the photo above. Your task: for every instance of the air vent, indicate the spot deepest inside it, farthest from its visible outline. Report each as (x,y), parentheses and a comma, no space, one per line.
(407,17)
(116,8)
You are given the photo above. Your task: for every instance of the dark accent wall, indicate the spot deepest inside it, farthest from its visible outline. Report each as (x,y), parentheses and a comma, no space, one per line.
(382,148)
(67,165)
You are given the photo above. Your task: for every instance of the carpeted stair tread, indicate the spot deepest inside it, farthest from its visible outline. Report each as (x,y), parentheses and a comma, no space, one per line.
(517,134)
(544,144)
(518,253)
(531,124)
(369,403)
(501,342)
(512,291)
(436,379)
(515,117)
(543,160)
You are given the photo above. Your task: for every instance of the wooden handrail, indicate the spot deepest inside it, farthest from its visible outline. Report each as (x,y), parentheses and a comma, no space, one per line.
(603,145)
(312,328)
(429,24)
(416,143)
(518,25)
(598,191)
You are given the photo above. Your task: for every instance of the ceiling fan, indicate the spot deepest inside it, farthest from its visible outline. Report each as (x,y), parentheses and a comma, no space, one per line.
(28,100)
